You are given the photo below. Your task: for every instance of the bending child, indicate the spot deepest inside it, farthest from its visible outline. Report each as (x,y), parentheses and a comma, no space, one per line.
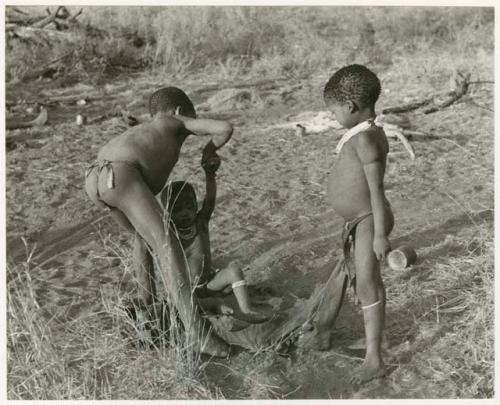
(191,228)
(130,170)
(356,192)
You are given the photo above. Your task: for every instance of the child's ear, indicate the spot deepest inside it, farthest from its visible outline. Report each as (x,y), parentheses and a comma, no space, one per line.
(178,110)
(351,105)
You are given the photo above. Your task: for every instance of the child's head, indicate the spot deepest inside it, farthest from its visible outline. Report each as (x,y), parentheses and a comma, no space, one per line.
(167,99)
(353,87)
(180,201)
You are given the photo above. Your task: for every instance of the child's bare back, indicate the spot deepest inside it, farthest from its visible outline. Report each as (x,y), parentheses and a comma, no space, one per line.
(153,146)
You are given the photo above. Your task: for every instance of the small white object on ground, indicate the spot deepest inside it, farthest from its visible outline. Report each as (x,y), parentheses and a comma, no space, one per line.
(300,130)
(80,119)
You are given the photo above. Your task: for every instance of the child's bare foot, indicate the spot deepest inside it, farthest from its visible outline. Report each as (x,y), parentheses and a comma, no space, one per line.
(368,371)
(252,316)
(360,344)
(214,346)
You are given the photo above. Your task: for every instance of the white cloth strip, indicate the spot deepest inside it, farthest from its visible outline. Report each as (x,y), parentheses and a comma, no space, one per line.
(240,283)
(372,305)
(362,126)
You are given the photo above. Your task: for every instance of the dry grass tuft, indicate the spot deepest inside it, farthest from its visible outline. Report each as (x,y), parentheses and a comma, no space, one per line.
(100,355)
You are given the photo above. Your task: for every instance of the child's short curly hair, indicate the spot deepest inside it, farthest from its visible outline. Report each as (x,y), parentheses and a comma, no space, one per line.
(174,191)
(353,82)
(168,98)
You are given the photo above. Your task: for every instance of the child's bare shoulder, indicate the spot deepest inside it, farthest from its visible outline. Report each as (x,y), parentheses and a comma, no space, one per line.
(371,137)
(372,141)
(165,123)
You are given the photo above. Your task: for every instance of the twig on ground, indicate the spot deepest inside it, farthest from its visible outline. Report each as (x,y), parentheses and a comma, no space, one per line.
(480,106)
(482,82)
(457,144)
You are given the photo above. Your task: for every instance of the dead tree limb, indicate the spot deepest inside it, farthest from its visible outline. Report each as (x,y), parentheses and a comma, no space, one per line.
(482,82)
(40,35)
(457,94)
(16,10)
(407,107)
(462,82)
(39,121)
(74,16)
(47,20)
(62,13)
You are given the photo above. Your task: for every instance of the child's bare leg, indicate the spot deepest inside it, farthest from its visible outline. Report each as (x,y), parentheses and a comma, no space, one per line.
(371,292)
(142,259)
(225,278)
(144,271)
(233,276)
(135,200)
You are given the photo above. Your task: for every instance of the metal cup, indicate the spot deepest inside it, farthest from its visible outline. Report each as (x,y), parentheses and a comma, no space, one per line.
(401,258)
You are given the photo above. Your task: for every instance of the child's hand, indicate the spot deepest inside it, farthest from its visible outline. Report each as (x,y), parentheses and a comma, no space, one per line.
(210,161)
(381,247)
(212,164)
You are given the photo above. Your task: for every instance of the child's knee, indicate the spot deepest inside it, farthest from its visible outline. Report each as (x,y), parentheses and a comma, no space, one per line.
(368,288)
(234,269)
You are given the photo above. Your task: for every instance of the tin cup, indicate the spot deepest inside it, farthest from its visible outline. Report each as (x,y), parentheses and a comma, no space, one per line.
(401,258)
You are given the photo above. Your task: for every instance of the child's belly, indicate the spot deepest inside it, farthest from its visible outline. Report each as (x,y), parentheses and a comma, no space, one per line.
(348,191)
(195,257)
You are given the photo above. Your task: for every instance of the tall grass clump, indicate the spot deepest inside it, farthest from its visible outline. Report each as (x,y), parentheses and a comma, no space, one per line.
(99,355)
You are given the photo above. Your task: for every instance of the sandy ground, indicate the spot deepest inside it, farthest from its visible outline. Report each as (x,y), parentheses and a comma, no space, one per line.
(271,214)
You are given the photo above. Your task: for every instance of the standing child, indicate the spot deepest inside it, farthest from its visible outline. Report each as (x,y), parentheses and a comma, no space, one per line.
(130,170)
(356,192)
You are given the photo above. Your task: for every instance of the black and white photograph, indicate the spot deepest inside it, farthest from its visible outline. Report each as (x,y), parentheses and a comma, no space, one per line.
(249,201)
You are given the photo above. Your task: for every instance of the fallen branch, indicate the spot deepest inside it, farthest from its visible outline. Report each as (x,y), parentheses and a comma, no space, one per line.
(482,82)
(47,20)
(40,35)
(417,135)
(407,107)
(74,16)
(457,94)
(39,121)
(461,88)
(62,13)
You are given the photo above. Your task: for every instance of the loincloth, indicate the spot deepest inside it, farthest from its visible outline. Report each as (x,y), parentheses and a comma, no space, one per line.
(348,235)
(107,165)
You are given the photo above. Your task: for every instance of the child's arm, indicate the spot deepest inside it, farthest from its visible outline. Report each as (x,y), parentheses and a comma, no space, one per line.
(220,131)
(210,163)
(372,159)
